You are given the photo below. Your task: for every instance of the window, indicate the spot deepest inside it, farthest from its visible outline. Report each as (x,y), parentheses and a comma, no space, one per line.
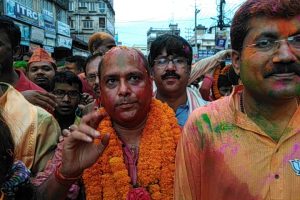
(72,24)
(102,7)
(61,15)
(88,24)
(27,3)
(92,6)
(46,5)
(71,6)
(82,4)
(101,22)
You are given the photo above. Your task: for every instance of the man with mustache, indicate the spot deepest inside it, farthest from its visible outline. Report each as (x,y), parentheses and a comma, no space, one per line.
(246,145)
(139,134)
(170,59)
(41,69)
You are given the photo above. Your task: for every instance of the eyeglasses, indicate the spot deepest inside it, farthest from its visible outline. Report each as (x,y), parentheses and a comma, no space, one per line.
(270,44)
(92,77)
(179,62)
(61,94)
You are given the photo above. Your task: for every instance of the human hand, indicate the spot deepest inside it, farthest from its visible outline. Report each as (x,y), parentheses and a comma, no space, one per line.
(45,100)
(86,98)
(80,151)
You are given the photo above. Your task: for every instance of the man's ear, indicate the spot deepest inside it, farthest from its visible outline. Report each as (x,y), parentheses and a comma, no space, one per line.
(236,59)
(16,52)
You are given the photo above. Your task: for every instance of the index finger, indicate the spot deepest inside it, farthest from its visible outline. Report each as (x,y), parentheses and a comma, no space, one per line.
(50,95)
(93,118)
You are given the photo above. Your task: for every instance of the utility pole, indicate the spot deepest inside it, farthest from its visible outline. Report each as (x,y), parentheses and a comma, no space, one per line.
(221,16)
(196,42)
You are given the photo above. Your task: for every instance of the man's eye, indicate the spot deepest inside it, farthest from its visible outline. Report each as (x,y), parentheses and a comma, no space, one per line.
(73,93)
(179,60)
(111,81)
(161,61)
(58,92)
(134,78)
(296,40)
(33,69)
(264,43)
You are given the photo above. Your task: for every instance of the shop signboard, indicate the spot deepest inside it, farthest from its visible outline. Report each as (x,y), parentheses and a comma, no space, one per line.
(63,28)
(62,41)
(37,35)
(50,31)
(25,33)
(20,12)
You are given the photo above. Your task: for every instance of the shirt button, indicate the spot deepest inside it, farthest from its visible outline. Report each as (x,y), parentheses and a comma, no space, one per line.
(276,176)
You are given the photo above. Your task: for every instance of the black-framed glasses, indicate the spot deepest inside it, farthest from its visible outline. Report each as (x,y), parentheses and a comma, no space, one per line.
(179,62)
(92,77)
(62,93)
(271,44)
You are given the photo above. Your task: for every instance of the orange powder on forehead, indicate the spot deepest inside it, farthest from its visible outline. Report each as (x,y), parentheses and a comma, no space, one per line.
(287,27)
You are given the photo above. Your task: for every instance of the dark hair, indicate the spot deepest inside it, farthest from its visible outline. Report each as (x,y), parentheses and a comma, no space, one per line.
(90,58)
(11,29)
(78,60)
(254,8)
(67,77)
(174,45)
(141,58)
(7,147)
(19,190)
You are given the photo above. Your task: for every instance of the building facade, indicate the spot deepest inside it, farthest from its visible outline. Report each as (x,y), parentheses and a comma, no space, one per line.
(153,33)
(43,23)
(89,16)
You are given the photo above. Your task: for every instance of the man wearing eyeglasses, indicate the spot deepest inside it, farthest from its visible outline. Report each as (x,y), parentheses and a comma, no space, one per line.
(246,146)
(91,70)
(67,89)
(170,59)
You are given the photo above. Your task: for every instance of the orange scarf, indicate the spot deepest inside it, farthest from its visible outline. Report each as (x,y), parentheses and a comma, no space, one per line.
(108,178)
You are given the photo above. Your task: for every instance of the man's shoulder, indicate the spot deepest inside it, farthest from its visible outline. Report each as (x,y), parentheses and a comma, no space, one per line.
(212,114)
(215,107)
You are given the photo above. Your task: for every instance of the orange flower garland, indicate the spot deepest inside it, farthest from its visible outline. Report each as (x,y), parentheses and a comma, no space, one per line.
(108,178)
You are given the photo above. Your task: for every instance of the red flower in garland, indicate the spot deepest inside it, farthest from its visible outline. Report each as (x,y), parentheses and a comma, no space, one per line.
(138,194)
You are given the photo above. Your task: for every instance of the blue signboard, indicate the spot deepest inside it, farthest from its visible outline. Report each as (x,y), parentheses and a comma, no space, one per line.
(25,33)
(22,13)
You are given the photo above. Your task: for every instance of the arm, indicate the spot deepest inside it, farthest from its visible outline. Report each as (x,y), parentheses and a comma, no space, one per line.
(206,65)
(78,153)
(48,132)
(43,99)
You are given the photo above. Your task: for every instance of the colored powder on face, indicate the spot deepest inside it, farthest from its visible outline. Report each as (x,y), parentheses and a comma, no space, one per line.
(206,119)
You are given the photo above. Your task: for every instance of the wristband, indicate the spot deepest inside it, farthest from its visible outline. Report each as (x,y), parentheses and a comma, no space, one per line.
(61,179)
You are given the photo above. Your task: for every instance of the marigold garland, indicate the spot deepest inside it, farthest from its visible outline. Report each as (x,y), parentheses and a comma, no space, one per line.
(218,71)
(108,178)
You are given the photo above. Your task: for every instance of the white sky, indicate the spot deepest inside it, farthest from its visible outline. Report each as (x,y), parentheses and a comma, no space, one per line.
(135,17)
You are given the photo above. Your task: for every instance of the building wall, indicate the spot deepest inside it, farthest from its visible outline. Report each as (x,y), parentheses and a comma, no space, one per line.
(90,16)
(42,22)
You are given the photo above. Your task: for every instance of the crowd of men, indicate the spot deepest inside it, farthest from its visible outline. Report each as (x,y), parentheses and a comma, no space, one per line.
(120,125)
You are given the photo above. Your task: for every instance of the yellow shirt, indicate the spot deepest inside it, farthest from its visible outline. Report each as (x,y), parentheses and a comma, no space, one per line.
(35,131)
(224,155)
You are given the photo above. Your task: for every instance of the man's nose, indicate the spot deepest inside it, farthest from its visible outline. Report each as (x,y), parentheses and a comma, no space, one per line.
(66,98)
(124,89)
(284,54)
(171,66)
